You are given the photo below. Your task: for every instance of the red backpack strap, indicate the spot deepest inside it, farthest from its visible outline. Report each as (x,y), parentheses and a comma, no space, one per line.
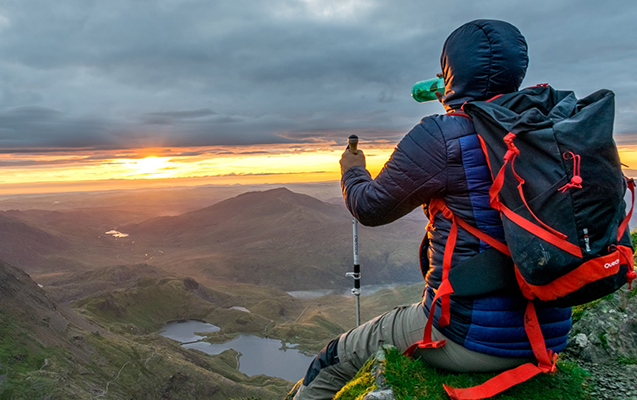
(427,342)
(622,228)
(505,380)
(631,275)
(498,245)
(445,289)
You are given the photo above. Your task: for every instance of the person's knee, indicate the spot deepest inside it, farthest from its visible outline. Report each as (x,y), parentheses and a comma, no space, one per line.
(328,356)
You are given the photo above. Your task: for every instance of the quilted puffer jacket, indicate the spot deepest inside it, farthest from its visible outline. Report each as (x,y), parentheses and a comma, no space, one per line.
(441,158)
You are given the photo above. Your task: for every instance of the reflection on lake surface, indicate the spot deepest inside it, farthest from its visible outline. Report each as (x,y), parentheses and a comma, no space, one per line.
(184,331)
(261,356)
(311,294)
(257,355)
(116,234)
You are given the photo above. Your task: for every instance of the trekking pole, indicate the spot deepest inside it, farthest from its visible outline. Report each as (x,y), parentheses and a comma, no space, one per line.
(353,144)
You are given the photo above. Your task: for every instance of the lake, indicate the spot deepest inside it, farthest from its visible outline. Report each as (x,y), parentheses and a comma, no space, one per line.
(257,355)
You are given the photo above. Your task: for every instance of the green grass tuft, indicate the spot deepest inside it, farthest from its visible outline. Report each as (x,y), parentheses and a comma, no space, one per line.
(627,360)
(603,340)
(578,311)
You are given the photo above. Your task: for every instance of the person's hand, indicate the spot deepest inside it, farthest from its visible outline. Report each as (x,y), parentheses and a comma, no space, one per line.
(439,95)
(349,160)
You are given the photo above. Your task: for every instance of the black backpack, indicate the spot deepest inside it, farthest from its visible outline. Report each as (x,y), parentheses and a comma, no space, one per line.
(560,189)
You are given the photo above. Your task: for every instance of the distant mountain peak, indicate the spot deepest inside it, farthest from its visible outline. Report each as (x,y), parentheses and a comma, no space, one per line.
(271,197)
(278,190)
(282,191)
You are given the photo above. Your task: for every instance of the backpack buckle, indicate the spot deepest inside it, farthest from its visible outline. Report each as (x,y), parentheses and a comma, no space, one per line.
(432,345)
(552,367)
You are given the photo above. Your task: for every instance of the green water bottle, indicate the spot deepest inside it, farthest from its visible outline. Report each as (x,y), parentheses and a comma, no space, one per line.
(426,90)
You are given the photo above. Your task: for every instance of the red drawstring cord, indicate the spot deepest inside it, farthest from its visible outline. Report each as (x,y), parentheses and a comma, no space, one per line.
(509,158)
(576,180)
(631,275)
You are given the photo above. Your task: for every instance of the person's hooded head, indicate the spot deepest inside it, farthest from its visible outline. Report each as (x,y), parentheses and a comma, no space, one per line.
(481,59)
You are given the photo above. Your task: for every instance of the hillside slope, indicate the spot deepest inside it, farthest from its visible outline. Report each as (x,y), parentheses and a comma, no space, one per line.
(65,288)
(25,245)
(48,351)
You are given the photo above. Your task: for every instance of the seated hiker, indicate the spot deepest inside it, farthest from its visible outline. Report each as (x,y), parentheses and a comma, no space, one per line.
(439,164)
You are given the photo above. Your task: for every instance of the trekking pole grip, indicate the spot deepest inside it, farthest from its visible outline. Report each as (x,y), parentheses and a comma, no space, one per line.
(353,144)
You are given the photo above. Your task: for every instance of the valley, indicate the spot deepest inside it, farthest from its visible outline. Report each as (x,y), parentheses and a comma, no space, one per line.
(86,289)
(94,302)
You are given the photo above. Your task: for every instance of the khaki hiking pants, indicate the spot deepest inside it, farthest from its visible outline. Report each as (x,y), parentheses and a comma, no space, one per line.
(400,327)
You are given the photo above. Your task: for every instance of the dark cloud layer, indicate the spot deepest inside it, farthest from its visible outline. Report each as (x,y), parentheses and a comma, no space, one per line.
(124,74)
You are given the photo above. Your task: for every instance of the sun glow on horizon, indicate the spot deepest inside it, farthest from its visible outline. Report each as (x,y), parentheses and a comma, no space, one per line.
(37,173)
(166,167)
(146,168)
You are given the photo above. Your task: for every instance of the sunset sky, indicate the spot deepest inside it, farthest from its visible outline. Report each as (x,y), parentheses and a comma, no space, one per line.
(99,95)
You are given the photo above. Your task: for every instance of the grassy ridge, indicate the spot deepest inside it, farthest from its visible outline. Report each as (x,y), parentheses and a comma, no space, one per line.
(148,305)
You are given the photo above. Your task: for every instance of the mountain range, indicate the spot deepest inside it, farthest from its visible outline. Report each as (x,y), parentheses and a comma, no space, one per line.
(275,237)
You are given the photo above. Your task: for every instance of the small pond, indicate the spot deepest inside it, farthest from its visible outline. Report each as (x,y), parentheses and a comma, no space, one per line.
(257,355)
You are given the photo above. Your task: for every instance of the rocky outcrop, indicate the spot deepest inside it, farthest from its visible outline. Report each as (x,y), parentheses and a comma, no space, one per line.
(607,330)
(383,391)
(604,342)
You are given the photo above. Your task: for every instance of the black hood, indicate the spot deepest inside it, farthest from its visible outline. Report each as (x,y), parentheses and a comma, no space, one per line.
(481,59)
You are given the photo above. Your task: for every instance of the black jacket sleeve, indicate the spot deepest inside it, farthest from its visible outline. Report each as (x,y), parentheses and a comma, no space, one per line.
(414,174)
